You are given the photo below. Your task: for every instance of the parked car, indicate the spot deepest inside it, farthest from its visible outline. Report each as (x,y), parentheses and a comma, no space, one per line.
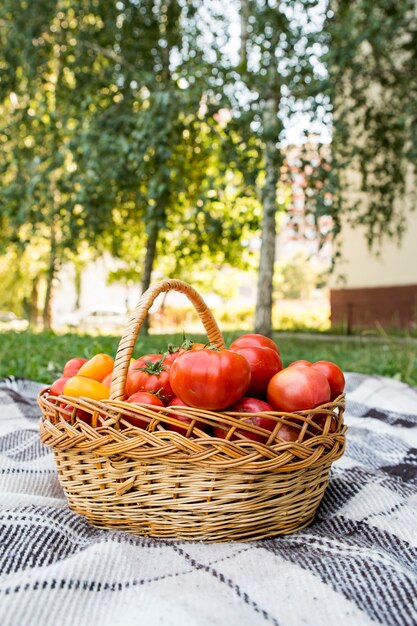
(103,319)
(10,321)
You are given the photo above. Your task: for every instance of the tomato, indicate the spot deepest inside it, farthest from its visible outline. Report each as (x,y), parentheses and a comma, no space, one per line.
(300,363)
(107,380)
(320,420)
(298,389)
(145,397)
(248,405)
(151,373)
(177,402)
(334,375)
(185,418)
(253,405)
(142,397)
(253,339)
(72,366)
(263,363)
(57,387)
(288,433)
(97,368)
(79,386)
(84,416)
(210,379)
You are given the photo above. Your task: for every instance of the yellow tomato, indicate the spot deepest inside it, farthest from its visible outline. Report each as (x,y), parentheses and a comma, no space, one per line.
(97,368)
(87,387)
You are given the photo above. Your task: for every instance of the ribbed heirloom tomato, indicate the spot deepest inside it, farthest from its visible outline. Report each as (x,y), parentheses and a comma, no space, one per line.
(210,379)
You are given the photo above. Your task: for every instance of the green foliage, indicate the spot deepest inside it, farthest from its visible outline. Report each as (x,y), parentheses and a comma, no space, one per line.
(372,84)
(110,135)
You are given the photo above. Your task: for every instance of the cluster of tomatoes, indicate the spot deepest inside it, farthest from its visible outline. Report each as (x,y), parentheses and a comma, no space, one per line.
(248,377)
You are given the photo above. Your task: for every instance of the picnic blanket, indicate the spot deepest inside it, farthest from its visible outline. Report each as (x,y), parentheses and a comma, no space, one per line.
(355,565)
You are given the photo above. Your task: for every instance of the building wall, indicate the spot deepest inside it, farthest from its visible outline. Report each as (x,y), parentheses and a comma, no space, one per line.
(369,290)
(396,263)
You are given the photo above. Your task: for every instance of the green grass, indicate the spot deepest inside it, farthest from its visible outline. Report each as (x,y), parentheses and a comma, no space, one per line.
(41,356)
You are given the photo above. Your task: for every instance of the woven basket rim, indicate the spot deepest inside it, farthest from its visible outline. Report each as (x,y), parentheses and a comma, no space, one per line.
(173,447)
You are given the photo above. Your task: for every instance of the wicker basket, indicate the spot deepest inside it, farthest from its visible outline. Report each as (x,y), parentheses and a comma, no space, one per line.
(159,483)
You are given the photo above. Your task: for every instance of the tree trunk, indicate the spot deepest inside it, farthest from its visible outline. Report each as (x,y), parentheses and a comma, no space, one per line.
(77,284)
(263,313)
(244,23)
(33,304)
(50,279)
(148,266)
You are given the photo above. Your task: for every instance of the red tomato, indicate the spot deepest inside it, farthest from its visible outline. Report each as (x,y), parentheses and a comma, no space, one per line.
(253,339)
(107,380)
(300,363)
(248,405)
(298,389)
(145,397)
(142,397)
(253,405)
(177,402)
(72,366)
(334,375)
(84,416)
(151,373)
(185,418)
(288,433)
(57,387)
(320,420)
(263,363)
(210,379)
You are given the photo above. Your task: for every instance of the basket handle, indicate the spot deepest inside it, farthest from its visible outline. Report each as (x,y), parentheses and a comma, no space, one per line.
(128,340)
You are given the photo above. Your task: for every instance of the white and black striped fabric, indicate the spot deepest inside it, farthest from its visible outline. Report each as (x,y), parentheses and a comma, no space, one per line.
(355,566)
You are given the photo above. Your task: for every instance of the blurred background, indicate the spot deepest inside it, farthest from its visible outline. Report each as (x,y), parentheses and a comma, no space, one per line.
(263,151)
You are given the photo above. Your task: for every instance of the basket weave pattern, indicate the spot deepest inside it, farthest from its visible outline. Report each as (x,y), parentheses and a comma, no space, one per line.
(159,483)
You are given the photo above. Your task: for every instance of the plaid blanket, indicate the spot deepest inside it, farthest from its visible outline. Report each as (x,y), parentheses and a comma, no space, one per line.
(356,565)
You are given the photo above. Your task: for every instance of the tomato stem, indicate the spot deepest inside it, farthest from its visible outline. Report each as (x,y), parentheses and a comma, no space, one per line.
(153,367)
